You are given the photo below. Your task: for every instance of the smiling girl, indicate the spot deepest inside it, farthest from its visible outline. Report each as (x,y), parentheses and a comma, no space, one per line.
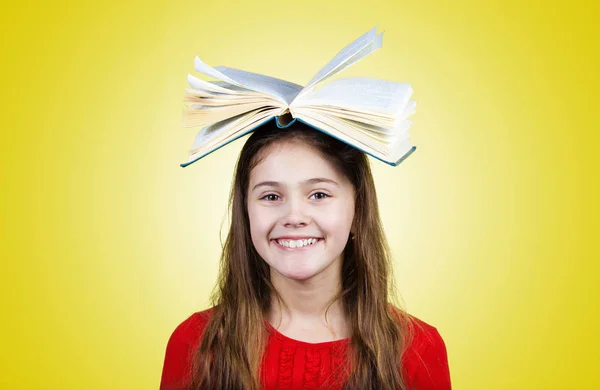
(305,291)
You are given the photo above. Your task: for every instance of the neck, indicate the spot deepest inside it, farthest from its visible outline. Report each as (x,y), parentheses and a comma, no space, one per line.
(306,302)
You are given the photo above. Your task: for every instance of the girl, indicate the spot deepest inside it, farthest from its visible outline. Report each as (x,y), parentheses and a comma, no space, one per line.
(305,285)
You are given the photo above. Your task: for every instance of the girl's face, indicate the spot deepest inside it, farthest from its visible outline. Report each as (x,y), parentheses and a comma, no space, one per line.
(300,210)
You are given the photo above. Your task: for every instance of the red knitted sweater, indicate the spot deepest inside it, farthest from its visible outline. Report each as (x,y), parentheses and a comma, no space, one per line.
(293,364)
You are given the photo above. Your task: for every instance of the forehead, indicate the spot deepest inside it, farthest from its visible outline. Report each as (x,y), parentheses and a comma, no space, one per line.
(293,161)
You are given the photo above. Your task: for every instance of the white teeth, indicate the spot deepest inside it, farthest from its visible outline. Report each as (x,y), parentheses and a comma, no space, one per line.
(297,243)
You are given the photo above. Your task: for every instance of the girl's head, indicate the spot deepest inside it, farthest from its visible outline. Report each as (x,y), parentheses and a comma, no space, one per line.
(298,186)
(290,185)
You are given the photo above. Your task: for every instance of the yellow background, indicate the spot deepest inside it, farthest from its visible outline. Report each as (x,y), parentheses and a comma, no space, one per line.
(107,244)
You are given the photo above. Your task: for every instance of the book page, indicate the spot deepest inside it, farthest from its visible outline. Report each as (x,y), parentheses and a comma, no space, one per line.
(205,97)
(284,91)
(207,86)
(344,131)
(203,68)
(355,58)
(388,135)
(334,132)
(211,137)
(383,122)
(392,154)
(358,49)
(382,137)
(361,94)
(216,101)
(198,115)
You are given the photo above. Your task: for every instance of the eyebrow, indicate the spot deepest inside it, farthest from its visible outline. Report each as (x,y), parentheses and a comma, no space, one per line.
(315,180)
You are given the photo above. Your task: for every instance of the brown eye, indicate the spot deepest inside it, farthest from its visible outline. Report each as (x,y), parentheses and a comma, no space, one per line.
(270,197)
(320,195)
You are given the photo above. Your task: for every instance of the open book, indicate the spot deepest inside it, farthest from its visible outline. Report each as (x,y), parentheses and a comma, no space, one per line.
(366,113)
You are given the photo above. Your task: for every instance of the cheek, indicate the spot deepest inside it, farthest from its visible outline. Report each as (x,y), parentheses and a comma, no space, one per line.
(260,223)
(337,221)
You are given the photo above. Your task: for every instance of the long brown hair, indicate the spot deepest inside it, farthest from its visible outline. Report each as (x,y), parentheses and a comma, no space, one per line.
(230,352)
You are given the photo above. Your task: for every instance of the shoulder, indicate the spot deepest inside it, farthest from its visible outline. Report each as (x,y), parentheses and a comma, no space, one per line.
(425,359)
(183,342)
(424,335)
(189,331)
(421,334)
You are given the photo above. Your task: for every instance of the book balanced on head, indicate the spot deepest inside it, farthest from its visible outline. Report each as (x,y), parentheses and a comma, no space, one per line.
(366,113)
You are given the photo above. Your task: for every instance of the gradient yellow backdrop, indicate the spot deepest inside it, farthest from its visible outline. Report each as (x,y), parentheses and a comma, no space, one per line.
(107,244)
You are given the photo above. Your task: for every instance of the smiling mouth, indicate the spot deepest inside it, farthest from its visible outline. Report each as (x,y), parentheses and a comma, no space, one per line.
(295,245)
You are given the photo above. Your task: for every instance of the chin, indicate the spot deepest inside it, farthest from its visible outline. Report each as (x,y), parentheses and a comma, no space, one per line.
(300,272)
(299,276)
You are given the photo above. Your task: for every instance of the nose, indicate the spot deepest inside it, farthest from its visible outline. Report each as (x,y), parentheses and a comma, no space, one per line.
(295,214)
